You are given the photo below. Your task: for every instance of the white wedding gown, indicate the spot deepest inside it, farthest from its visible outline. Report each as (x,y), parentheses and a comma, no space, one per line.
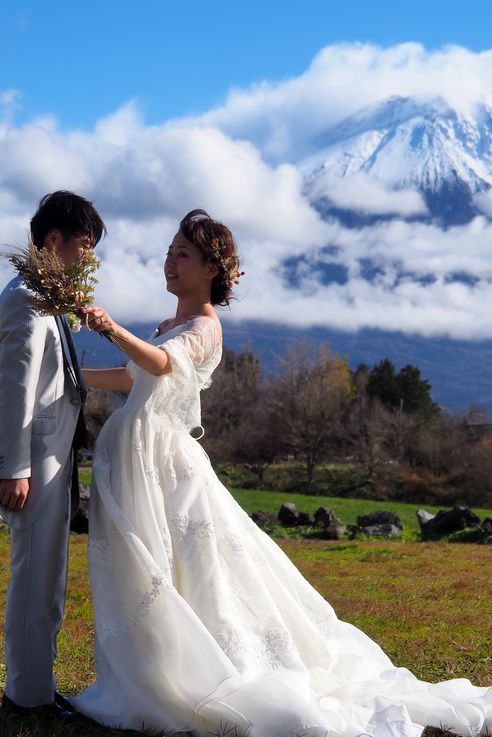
(202,623)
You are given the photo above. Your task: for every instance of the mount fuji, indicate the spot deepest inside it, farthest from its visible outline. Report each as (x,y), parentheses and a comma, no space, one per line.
(403,159)
(423,160)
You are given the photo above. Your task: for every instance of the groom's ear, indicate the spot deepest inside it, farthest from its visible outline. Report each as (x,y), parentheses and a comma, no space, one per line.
(53,239)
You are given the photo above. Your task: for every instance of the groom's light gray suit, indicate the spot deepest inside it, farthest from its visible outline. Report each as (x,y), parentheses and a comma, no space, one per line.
(40,408)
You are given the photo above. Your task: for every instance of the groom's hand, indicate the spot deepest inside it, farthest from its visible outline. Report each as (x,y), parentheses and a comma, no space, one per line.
(13,493)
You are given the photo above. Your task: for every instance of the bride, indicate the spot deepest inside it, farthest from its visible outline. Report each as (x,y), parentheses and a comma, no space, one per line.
(202,624)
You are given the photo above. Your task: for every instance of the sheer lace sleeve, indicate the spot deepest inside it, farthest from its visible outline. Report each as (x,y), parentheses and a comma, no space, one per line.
(192,351)
(197,344)
(130,369)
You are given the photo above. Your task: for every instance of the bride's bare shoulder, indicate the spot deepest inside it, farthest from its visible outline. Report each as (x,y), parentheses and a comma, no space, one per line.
(165,325)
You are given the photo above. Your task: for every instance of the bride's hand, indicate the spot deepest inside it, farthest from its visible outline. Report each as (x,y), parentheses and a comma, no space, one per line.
(96,318)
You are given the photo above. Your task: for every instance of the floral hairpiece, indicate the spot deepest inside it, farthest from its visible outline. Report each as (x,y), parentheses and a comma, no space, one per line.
(229,262)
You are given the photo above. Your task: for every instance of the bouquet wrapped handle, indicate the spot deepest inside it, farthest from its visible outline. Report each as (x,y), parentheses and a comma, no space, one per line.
(76,320)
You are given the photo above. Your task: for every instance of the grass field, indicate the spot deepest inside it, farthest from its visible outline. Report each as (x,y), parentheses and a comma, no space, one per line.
(253,500)
(429,605)
(347,510)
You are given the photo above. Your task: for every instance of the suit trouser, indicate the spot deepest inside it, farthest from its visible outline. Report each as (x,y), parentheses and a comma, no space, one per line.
(36,601)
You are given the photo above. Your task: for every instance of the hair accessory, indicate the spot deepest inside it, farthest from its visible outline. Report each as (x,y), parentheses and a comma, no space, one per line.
(229,262)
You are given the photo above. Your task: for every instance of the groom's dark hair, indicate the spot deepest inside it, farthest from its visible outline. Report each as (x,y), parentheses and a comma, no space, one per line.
(69,213)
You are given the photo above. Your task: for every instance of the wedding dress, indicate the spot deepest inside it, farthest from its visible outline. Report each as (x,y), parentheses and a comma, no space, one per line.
(202,623)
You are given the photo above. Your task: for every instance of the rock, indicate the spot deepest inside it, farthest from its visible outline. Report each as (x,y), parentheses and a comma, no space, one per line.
(486,526)
(384,530)
(288,515)
(305,519)
(263,519)
(324,516)
(379,518)
(447,521)
(334,531)
(486,532)
(423,517)
(80,523)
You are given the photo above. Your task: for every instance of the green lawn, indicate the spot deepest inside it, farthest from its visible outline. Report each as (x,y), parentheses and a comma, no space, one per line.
(347,510)
(253,500)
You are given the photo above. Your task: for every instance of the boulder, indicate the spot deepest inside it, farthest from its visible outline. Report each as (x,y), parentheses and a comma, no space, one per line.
(486,526)
(288,514)
(334,531)
(486,531)
(263,519)
(324,516)
(305,519)
(423,517)
(452,520)
(378,518)
(383,530)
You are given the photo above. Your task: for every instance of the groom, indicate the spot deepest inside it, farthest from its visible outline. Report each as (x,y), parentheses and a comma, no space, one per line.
(41,426)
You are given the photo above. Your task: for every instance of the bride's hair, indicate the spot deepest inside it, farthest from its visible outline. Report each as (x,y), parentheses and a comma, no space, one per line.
(217,245)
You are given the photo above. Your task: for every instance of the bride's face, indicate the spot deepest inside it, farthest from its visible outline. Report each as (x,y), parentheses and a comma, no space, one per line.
(185,269)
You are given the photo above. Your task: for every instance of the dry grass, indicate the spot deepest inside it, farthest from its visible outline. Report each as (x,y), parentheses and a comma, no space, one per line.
(429,605)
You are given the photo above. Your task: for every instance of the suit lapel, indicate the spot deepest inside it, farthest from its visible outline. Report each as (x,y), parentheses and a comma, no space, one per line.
(72,368)
(70,357)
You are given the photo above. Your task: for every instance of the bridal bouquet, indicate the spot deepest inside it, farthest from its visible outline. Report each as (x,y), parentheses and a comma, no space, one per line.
(57,289)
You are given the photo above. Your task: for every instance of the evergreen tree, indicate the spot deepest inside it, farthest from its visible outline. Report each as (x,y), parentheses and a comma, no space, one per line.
(405,391)
(383,384)
(415,393)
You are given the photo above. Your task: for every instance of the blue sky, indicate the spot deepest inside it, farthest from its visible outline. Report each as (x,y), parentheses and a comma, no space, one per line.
(81,60)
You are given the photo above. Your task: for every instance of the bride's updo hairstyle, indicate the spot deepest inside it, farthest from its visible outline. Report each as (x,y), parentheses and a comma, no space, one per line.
(217,245)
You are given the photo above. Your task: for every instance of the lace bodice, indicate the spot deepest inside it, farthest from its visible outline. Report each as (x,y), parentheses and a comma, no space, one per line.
(195,350)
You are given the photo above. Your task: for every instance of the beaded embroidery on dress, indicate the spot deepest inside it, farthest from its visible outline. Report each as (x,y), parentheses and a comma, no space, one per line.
(202,624)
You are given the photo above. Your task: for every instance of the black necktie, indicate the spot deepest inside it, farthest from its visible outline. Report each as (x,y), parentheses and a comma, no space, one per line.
(72,361)
(72,368)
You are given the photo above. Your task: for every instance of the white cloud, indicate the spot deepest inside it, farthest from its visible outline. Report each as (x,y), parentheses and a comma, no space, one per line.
(143,179)
(237,163)
(420,287)
(366,194)
(483,200)
(283,118)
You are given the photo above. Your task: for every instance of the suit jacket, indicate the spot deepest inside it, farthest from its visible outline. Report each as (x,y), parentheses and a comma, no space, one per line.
(40,404)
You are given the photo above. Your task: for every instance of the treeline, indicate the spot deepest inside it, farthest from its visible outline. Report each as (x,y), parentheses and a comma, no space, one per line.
(378,426)
(379,429)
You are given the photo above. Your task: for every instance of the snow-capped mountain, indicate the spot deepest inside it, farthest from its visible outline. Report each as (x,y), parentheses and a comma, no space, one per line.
(439,156)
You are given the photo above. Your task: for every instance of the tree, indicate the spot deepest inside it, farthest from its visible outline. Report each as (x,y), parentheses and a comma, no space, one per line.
(254,441)
(97,408)
(383,384)
(368,425)
(310,398)
(439,445)
(235,389)
(415,393)
(404,391)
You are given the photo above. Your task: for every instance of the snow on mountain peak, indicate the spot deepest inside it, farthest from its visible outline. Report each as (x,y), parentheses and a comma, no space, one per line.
(404,144)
